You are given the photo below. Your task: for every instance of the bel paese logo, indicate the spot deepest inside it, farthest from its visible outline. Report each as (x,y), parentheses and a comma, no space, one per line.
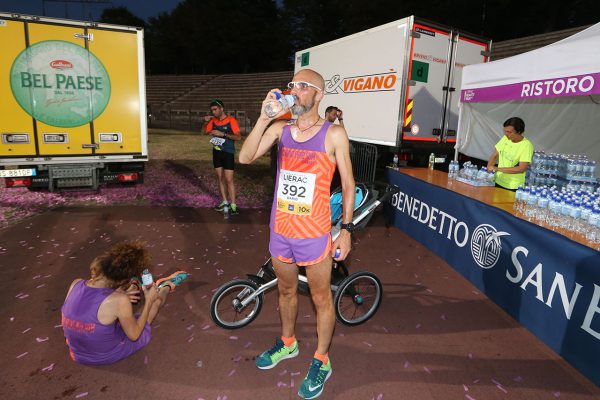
(60,83)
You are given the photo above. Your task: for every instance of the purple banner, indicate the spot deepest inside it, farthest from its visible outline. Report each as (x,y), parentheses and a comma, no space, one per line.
(580,85)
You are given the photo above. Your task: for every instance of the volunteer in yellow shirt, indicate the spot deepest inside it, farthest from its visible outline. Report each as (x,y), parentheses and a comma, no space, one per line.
(514,153)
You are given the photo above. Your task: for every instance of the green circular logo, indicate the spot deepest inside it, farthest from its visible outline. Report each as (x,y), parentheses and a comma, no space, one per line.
(60,83)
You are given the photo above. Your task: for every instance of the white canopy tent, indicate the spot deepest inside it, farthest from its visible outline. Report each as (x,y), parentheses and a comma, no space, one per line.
(554,89)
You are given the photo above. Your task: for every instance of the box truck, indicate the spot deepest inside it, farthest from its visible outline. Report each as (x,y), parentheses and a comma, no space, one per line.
(397,84)
(72,108)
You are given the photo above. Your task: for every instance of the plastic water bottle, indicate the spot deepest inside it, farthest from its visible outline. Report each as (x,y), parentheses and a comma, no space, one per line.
(147,278)
(275,106)
(579,169)
(518,199)
(543,203)
(481,176)
(431,161)
(491,178)
(455,168)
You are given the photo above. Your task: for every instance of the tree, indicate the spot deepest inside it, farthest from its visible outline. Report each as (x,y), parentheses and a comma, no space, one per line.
(121,16)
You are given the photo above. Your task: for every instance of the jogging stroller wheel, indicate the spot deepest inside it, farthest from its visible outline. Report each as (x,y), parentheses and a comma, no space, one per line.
(226,306)
(357,298)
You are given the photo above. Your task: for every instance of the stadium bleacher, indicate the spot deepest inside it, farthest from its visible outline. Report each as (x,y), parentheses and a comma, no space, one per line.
(180,101)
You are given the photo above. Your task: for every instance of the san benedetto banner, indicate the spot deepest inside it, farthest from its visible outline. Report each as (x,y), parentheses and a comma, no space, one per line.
(578,85)
(60,83)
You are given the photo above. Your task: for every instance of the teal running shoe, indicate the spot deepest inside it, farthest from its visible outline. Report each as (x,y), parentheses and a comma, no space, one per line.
(172,280)
(314,383)
(221,206)
(270,358)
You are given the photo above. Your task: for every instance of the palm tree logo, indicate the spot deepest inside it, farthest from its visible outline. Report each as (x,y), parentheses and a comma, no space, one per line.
(486,245)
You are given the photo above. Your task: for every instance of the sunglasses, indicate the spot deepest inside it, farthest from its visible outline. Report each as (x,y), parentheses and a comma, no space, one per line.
(302,85)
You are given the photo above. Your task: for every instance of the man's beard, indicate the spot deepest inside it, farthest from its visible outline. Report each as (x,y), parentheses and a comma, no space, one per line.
(298,109)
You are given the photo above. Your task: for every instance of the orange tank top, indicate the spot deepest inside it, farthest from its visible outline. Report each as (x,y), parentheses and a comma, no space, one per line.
(301,208)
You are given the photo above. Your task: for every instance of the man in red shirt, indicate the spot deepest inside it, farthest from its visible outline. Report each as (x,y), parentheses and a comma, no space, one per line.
(225,131)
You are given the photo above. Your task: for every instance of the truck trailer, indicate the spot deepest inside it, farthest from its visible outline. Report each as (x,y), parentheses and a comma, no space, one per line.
(73,103)
(397,84)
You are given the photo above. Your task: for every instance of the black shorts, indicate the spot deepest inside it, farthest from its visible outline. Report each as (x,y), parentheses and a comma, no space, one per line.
(223,159)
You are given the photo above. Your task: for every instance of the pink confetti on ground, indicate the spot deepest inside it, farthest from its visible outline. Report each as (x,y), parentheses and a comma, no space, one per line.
(518,379)
(418,326)
(190,327)
(471,355)
(205,327)
(465,387)
(81,395)
(281,384)
(247,345)
(190,338)
(232,372)
(22,355)
(58,326)
(368,344)
(12,319)
(501,388)
(379,396)
(557,394)
(283,372)
(26,330)
(237,359)
(406,364)
(40,340)
(291,383)
(233,338)
(49,367)
(469,397)
(427,370)
(294,373)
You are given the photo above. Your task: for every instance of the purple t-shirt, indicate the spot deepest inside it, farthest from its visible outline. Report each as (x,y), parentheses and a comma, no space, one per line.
(90,341)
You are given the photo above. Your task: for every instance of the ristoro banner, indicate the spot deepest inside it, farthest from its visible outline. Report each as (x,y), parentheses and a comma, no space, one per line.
(60,83)
(580,85)
(547,282)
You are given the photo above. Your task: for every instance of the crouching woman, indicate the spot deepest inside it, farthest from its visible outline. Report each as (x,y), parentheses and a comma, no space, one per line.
(97,315)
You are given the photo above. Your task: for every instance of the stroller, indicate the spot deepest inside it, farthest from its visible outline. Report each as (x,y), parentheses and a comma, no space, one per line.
(357,296)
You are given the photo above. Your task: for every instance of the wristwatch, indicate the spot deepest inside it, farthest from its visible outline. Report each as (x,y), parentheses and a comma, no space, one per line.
(349,227)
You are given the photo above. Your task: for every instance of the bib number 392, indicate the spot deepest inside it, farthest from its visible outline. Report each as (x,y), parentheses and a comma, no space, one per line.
(295,192)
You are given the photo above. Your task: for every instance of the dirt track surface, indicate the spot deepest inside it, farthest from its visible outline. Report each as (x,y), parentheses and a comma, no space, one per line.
(434,337)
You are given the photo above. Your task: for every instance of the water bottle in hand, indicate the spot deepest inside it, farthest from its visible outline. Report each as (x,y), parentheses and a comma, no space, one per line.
(280,103)
(147,278)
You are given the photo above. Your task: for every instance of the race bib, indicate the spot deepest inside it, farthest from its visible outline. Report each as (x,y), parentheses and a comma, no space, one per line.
(217,141)
(295,192)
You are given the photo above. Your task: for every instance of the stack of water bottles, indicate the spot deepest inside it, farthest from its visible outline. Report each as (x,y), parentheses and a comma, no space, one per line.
(469,174)
(577,212)
(575,172)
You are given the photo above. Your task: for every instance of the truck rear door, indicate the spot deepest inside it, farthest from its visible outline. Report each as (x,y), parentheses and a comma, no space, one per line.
(56,80)
(466,51)
(428,78)
(118,129)
(17,129)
